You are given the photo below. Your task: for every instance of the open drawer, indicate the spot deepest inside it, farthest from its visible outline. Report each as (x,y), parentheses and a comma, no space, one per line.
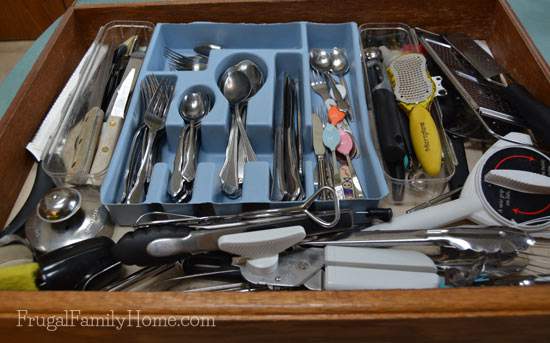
(499,313)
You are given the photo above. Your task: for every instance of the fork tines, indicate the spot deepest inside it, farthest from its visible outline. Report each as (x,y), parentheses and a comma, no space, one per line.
(178,61)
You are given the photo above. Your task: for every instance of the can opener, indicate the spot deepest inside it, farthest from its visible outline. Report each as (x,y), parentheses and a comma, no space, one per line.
(263,260)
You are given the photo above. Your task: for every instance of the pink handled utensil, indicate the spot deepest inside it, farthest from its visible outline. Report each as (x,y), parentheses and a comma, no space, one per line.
(345,148)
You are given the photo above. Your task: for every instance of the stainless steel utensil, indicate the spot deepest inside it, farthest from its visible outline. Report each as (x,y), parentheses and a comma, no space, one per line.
(154,118)
(320,60)
(205,49)
(164,240)
(196,104)
(293,181)
(177,61)
(238,83)
(319,85)
(340,67)
(485,239)
(319,149)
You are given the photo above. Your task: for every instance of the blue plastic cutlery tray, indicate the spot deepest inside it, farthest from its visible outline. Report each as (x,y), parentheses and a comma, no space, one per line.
(278,49)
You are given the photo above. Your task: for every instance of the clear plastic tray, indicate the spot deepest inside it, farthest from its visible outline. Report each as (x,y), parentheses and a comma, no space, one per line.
(417,187)
(88,94)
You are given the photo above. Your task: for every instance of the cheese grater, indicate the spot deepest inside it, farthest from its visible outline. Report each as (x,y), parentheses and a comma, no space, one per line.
(484,98)
(415,90)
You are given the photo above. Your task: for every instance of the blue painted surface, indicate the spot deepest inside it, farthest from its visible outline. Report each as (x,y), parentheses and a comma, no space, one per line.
(532,13)
(535,17)
(14,80)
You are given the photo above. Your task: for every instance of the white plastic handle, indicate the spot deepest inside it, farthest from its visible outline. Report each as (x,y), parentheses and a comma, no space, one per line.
(434,216)
(519,180)
(262,243)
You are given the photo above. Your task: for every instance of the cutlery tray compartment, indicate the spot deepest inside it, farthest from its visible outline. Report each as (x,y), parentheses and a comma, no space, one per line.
(277,49)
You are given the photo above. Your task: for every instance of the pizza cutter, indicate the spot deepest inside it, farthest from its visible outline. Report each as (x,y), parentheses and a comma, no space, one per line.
(510,186)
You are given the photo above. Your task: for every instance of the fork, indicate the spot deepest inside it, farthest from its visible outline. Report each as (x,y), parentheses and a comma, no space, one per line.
(178,61)
(319,85)
(154,119)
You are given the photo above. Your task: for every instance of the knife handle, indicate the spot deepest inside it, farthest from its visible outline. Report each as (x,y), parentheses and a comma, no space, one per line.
(85,145)
(321,174)
(107,142)
(534,112)
(131,249)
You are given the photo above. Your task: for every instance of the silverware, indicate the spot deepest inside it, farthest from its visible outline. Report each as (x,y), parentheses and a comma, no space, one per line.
(177,61)
(345,148)
(319,149)
(205,49)
(340,67)
(331,140)
(319,85)
(321,61)
(196,104)
(238,84)
(291,169)
(236,87)
(278,186)
(154,118)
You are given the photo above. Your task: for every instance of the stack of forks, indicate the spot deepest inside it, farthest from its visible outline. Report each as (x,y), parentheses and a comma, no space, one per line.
(156,96)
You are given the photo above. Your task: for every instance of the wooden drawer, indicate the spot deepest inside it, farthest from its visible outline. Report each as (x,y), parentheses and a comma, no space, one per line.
(501,313)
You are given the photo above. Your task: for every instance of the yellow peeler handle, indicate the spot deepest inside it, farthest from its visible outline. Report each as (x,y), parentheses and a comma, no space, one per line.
(425,139)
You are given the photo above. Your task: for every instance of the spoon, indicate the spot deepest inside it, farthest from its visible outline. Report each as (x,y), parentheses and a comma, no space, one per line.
(236,88)
(321,60)
(340,67)
(195,104)
(331,139)
(345,148)
(256,78)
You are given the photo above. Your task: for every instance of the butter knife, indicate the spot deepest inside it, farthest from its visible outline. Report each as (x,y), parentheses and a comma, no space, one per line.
(319,149)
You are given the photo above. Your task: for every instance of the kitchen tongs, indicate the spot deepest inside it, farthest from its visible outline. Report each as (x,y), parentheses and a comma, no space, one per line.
(484,239)
(266,215)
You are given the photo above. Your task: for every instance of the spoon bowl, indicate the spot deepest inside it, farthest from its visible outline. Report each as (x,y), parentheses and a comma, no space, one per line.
(320,59)
(195,104)
(339,61)
(254,74)
(235,86)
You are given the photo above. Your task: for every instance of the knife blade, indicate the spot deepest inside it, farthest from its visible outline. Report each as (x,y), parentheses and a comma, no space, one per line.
(111,129)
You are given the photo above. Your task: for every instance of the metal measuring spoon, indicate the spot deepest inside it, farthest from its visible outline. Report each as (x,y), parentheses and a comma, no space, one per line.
(331,139)
(345,148)
(340,66)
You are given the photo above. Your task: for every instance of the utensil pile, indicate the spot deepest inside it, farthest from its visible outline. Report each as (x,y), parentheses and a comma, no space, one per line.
(331,128)
(238,84)
(156,96)
(288,171)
